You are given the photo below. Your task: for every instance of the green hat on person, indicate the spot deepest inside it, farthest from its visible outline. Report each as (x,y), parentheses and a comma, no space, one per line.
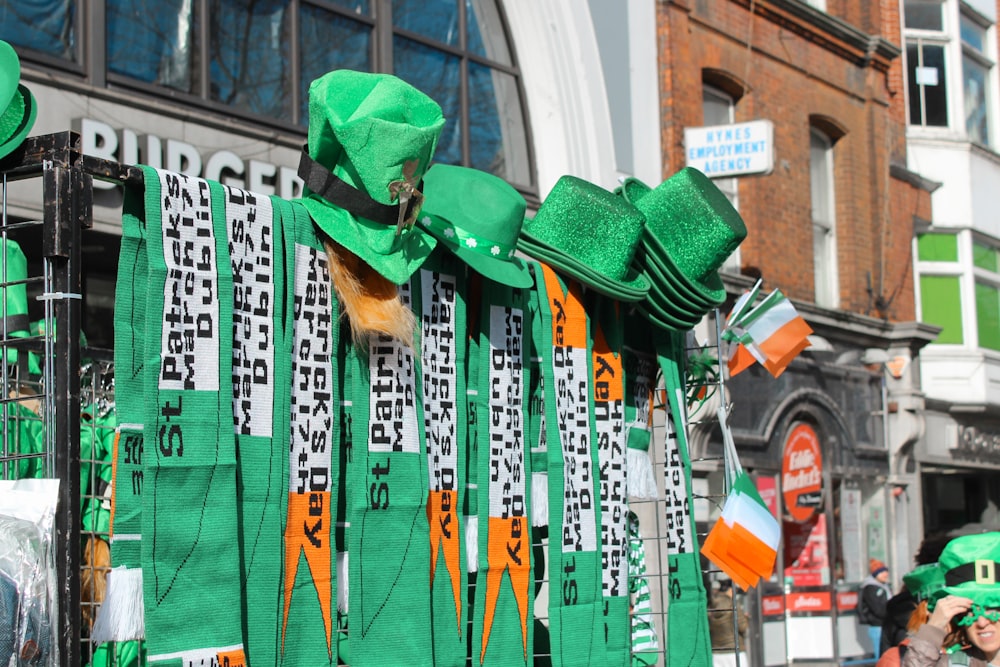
(371,138)
(691,229)
(590,235)
(478,217)
(924,581)
(970,565)
(17,102)
(15,322)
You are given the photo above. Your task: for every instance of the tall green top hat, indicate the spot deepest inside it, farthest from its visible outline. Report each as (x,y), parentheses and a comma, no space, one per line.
(924,581)
(371,138)
(971,568)
(478,216)
(692,229)
(16,101)
(589,234)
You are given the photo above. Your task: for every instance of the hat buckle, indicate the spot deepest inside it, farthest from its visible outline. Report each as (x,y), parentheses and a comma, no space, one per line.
(985,570)
(404,190)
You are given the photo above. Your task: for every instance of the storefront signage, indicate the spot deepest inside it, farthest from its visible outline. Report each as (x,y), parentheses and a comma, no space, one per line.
(802,474)
(129,146)
(847,601)
(731,150)
(976,442)
(772,605)
(809,602)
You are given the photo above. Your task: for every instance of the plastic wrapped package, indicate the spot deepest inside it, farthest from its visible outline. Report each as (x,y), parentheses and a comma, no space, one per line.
(27,573)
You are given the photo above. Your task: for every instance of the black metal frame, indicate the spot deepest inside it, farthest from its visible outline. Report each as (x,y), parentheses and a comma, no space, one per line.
(67,209)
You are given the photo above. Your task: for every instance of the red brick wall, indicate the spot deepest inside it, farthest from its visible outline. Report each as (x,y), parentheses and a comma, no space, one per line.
(794,72)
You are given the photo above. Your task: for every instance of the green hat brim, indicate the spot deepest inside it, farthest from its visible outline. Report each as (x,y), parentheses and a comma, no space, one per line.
(396,259)
(634,288)
(28,112)
(511,272)
(987,596)
(654,316)
(711,292)
(671,307)
(671,284)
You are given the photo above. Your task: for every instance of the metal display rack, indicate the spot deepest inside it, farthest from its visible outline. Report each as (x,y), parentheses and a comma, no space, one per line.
(74,377)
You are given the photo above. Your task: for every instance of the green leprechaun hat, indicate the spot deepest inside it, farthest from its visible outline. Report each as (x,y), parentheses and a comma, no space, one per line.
(371,138)
(924,581)
(970,565)
(17,102)
(590,235)
(691,229)
(478,217)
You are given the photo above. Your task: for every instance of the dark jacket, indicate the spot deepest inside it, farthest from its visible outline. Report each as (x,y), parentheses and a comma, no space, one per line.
(874,598)
(897,614)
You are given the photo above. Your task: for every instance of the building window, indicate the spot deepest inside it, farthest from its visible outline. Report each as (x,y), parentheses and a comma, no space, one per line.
(936,68)
(718,108)
(256,59)
(823,218)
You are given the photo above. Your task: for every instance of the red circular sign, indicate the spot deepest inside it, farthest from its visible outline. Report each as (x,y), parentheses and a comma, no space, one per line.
(802,473)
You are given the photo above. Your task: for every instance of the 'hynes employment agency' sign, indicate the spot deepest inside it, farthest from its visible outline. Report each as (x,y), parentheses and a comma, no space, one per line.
(731,150)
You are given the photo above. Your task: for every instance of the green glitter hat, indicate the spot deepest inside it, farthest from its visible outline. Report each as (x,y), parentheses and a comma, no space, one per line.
(692,228)
(372,137)
(970,565)
(478,216)
(589,234)
(17,102)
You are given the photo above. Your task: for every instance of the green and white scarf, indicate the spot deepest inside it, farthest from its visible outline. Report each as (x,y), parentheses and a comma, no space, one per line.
(121,615)
(640,378)
(504,595)
(574,516)
(260,376)
(442,349)
(608,387)
(687,641)
(190,547)
(389,615)
(645,646)
(309,584)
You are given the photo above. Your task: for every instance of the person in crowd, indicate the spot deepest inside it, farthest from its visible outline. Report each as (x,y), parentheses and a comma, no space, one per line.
(921,583)
(875,594)
(966,612)
(900,608)
(728,637)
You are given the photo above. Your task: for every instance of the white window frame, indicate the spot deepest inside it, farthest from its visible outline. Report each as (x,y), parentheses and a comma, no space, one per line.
(824,224)
(955,53)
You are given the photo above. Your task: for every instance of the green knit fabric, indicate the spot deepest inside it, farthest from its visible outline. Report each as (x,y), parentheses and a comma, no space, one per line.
(389,614)
(442,348)
(308,584)
(687,638)
(645,647)
(504,595)
(575,609)
(120,617)
(260,409)
(190,550)
(608,390)
(24,437)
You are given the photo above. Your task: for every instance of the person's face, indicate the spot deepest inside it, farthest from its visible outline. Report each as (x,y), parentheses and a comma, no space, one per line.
(985,634)
(883,576)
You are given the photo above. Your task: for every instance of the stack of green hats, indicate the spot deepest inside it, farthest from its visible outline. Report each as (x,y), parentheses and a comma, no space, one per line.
(588,234)
(691,229)
(13,276)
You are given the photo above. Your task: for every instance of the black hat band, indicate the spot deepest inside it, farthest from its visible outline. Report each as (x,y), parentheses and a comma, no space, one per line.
(980,572)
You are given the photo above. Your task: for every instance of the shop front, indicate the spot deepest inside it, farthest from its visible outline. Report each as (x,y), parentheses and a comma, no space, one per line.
(817,440)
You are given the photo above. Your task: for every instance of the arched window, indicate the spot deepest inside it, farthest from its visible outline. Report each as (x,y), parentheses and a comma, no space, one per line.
(255,59)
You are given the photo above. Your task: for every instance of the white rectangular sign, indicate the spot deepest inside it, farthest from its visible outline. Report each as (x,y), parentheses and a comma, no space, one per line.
(731,150)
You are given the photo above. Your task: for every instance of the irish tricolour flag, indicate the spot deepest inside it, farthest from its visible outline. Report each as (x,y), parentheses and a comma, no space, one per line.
(772,333)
